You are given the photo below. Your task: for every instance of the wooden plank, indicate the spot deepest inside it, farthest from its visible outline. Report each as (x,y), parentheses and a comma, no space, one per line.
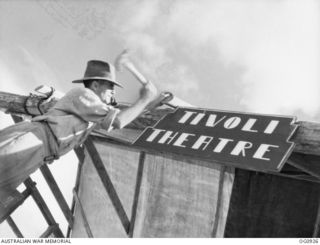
(316,231)
(304,177)
(219,202)
(21,104)
(14,227)
(83,215)
(13,103)
(292,172)
(307,163)
(42,206)
(106,181)
(80,153)
(30,105)
(57,193)
(48,232)
(307,138)
(25,194)
(81,156)
(142,158)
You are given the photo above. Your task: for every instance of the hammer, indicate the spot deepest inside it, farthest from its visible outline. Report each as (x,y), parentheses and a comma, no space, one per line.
(167,98)
(123,60)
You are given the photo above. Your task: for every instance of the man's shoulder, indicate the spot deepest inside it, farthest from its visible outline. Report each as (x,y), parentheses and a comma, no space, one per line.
(81,92)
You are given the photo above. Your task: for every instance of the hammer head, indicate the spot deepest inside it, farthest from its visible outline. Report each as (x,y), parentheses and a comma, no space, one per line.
(121,60)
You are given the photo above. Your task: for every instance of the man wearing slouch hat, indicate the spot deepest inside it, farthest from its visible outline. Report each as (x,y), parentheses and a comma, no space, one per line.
(26,146)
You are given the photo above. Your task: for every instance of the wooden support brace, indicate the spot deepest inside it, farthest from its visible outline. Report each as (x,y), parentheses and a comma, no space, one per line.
(307,163)
(137,192)
(83,215)
(57,193)
(51,229)
(25,194)
(219,202)
(42,206)
(106,181)
(80,154)
(14,227)
(316,230)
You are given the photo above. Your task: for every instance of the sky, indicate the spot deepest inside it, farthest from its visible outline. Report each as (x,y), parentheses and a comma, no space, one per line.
(259,56)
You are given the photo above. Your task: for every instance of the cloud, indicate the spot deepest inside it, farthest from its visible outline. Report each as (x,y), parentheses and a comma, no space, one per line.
(139,32)
(22,70)
(276,43)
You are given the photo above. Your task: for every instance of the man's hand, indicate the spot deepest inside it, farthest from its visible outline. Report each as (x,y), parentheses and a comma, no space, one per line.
(147,94)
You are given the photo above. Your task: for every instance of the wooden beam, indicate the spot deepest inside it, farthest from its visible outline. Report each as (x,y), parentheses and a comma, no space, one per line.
(42,206)
(307,163)
(51,229)
(81,156)
(13,103)
(307,138)
(22,104)
(316,230)
(219,202)
(142,158)
(57,193)
(304,177)
(83,215)
(14,227)
(107,183)
(25,194)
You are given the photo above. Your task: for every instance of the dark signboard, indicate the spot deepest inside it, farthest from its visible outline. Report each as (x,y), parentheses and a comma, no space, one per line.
(250,141)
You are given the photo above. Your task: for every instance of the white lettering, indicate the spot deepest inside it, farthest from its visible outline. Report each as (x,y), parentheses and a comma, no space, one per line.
(202,140)
(186,116)
(211,120)
(271,127)
(263,148)
(221,144)
(167,136)
(197,119)
(154,134)
(240,147)
(249,124)
(182,138)
(232,122)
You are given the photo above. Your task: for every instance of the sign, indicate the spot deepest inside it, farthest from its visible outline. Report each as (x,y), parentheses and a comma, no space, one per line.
(250,141)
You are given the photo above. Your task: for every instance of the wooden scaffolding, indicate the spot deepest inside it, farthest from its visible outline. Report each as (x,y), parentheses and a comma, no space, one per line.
(303,165)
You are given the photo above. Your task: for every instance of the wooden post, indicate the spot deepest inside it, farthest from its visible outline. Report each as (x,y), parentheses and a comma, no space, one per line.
(142,158)
(43,206)
(81,156)
(316,230)
(57,193)
(14,227)
(83,215)
(106,181)
(25,194)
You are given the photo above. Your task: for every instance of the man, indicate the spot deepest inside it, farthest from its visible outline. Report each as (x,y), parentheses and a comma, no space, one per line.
(25,146)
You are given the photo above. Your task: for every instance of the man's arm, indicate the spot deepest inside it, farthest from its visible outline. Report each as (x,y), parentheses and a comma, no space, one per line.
(125,116)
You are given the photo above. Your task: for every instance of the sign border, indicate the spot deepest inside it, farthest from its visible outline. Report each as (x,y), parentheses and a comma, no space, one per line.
(287,154)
